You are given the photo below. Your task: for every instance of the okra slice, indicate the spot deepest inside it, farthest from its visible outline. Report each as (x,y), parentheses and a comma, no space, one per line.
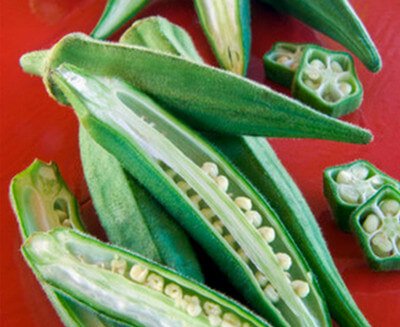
(126,287)
(130,216)
(337,19)
(327,81)
(204,96)
(282,61)
(203,192)
(115,14)
(376,225)
(348,186)
(226,23)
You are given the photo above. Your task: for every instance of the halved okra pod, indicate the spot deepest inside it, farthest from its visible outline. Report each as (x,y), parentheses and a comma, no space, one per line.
(376,225)
(203,192)
(226,24)
(282,61)
(337,19)
(348,186)
(116,13)
(327,81)
(202,95)
(126,287)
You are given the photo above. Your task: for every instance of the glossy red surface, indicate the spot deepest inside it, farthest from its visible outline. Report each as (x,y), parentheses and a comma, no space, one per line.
(33,125)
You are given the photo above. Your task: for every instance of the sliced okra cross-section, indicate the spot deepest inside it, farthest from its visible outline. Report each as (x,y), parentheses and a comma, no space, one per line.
(348,186)
(282,61)
(376,225)
(126,287)
(204,192)
(327,81)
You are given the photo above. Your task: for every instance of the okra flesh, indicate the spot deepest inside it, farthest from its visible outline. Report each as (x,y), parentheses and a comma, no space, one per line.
(127,287)
(377,227)
(153,146)
(226,24)
(204,96)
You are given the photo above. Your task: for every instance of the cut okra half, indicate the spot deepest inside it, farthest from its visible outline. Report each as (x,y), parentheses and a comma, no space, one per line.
(204,192)
(376,225)
(282,61)
(327,81)
(126,287)
(348,186)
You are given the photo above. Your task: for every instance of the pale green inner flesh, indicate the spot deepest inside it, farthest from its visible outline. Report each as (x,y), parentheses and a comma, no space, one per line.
(329,77)
(125,287)
(221,19)
(381,226)
(139,119)
(287,55)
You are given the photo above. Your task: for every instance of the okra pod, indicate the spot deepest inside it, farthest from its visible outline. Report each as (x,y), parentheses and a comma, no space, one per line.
(348,186)
(226,23)
(116,13)
(130,217)
(204,96)
(203,192)
(337,19)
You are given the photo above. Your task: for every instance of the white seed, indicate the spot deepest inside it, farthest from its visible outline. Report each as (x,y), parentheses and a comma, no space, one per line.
(155,282)
(118,266)
(222,183)
(261,278)
(371,223)
(207,213)
(345,88)
(344,177)
(214,320)
(390,207)
(173,291)
(195,199)
(243,255)
(376,181)
(183,186)
(382,244)
(67,223)
(318,64)
(219,226)
(336,67)
(210,169)
(285,261)
(301,288)
(181,303)
(61,214)
(230,320)
(138,273)
(254,218)
(193,307)
(311,84)
(231,241)
(212,308)
(282,60)
(360,172)
(271,293)
(243,203)
(267,233)
(348,194)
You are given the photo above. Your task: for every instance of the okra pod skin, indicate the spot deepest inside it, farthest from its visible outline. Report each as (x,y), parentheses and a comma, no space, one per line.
(256,159)
(376,224)
(338,20)
(348,186)
(203,96)
(116,13)
(226,24)
(166,158)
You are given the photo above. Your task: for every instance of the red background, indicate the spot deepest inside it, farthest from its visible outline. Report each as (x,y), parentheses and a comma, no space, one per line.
(33,125)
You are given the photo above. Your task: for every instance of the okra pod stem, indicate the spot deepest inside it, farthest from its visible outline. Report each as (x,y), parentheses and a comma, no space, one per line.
(204,96)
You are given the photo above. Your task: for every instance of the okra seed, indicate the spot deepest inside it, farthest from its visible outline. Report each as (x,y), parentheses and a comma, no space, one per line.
(183,186)
(212,309)
(345,88)
(294,66)
(271,293)
(210,169)
(61,214)
(316,63)
(67,223)
(231,241)
(267,233)
(118,266)
(261,278)
(381,245)
(336,67)
(207,213)
(243,203)
(195,199)
(230,320)
(193,307)
(301,288)
(348,194)
(138,273)
(282,60)
(376,181)
(360,172)
(390,207)
(371,223)
(243,255)
(344,177)
(173,291)
(219,226)
(155,282)
(313,75)
(285,261)
(214,320)
(311,84)
(222,183)
(254,218)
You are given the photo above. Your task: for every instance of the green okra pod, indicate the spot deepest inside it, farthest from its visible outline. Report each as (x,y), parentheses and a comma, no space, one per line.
(116,13)
(126,287)
(130,217)
(226,23)
(376,225)
(337,19)
(203,192)
(348,186)
(202,95)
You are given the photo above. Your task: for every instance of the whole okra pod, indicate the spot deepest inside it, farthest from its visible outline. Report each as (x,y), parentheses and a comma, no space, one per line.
(204,96)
